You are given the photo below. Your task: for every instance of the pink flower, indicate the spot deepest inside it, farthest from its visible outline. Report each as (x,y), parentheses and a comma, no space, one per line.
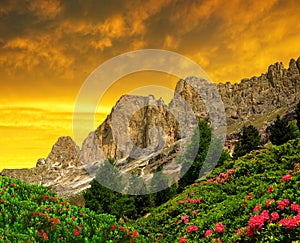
(12,184)
(191,228)
(208,233)
(295,207)
(275,216)
(290,223)
(286,178)
(282,204)
(184,217)
(45,236)
(269,202)
(182,240)
(186,221)
(113,227)
(45,197)
(55,220)
(122,228)
(35,214)
(239,231)
(250,196)
(53,199)
(76,233)
(210,180)
(194,212)
(219,227)
(270,189)
(257,208)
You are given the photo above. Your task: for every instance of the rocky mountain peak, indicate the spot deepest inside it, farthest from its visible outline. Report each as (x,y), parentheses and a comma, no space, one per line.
(64,153)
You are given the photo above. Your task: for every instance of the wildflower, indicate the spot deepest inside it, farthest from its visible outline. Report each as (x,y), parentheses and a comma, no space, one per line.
(191,228)
(269,202)
(53,199)
(45,236)
(208,233)
(184,217)
(270,189)
(55,220)
(250,196)
(282,204)
(76,233)
(114,227)
(182,240)
(275,216)
(290,223)
(12,184)
(194,212)
(257,208)
(134,234)
(286,178)
(122,228)
(239,231)
(219,227)
(295,207)
(35,214)
(45,197)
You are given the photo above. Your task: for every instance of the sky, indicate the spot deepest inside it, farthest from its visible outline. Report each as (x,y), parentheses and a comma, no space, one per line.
(48,48)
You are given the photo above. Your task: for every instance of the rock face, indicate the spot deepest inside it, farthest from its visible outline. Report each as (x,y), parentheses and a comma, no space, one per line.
(142,132)
(61,170)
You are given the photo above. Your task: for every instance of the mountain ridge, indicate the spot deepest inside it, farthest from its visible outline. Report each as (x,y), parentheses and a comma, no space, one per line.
(66,166)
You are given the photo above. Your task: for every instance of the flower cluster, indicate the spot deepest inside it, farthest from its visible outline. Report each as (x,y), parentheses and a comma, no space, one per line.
(191,228)
(282,204)
(286,178)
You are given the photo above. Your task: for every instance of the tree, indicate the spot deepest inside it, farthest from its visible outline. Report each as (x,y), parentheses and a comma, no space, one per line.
(298,115)
(159,181)
(281,131)
(191,167)
(249,140)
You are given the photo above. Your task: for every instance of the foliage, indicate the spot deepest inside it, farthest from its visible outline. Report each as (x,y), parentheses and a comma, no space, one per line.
(248,141)
(188,176)
(281,131)
(32,213)
(102,199)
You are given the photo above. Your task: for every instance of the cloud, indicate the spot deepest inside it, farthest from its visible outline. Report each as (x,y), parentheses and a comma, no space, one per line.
(45,9)
(28,53)
(101,44)
(171,42)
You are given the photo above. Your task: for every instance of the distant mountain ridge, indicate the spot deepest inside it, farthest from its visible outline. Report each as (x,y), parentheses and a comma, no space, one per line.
(64,168)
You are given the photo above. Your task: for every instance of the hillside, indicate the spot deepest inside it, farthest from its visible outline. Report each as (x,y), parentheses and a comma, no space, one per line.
(253,199)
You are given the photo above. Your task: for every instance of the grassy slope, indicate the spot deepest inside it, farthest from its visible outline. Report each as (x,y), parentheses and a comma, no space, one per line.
(243,185)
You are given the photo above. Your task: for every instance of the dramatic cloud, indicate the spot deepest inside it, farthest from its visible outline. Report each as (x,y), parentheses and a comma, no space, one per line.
(49,47)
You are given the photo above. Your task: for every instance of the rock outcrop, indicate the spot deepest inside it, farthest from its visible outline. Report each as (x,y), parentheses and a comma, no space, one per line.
(61,170)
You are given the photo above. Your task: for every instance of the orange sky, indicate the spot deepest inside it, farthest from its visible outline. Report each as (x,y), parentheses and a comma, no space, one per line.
(49,47)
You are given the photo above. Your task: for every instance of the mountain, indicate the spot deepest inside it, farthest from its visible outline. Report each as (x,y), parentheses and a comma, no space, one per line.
(150,133)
